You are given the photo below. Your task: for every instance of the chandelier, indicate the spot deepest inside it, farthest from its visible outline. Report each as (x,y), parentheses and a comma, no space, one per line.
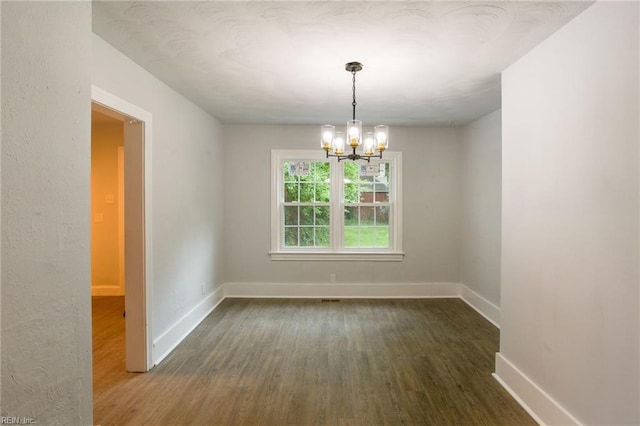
(332,141)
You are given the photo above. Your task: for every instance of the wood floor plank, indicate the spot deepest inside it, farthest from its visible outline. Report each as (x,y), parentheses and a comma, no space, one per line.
(307,362)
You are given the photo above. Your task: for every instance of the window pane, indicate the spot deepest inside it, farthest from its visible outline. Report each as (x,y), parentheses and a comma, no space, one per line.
(322,172)
(351,171)
(287,175)
(290,215)
(382,216)
(291,236)
(351,193)
(351,216)
(307,192)
(367,236)
(367,216)
(381,195)
(306,236)
(365,189)
(351,237)
(366,226)
(322,236)
(322,192)
(382,226)
(322,215)
(381,186)
(366,195)
(306,178)
(290,192)
(306,215)
(382,236)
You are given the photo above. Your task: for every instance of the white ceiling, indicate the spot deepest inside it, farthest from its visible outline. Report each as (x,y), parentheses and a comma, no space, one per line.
(425,63)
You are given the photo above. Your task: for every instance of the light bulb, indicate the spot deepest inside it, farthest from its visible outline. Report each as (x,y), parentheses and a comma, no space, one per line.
(354,132)
(382,137)
(368,143)
(327,137)
(338,144)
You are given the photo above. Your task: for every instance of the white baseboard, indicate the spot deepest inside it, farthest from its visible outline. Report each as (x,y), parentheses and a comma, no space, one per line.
(163,345)
(106,290)
(542,407)
(365,291)
(485,308)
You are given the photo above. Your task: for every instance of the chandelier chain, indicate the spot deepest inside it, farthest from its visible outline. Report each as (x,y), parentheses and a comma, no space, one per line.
(354,103)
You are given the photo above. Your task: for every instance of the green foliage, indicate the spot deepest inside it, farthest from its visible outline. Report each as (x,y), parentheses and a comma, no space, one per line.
(307,226)
(351,178)
(313,188)
(306,236)
(366,226)
(366,236)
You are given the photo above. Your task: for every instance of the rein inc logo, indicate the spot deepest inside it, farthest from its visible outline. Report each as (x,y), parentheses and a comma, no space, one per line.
(14,420)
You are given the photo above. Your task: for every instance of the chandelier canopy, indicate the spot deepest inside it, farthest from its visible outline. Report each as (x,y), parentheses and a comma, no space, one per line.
(332,141)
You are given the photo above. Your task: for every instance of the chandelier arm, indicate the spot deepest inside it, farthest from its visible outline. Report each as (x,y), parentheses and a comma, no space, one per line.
(354,156)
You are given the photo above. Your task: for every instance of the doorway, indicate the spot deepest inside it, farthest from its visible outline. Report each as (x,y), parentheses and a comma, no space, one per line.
(125,201)
(107,248)
(107,202)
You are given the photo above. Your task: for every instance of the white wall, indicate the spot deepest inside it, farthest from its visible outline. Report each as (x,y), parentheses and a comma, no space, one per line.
(187,181)
(431,181)
(570,256)
(46,318)
(481,206)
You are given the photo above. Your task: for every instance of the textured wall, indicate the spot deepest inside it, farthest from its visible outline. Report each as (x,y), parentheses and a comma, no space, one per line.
(187,180)
(431,194)
(570,249)
(481,205)
(46,318)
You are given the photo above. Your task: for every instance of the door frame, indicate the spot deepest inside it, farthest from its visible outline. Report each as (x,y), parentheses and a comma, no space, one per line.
(121,219)
(139,360)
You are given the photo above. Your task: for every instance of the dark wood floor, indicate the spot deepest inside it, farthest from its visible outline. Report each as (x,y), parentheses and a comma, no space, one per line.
(306,362)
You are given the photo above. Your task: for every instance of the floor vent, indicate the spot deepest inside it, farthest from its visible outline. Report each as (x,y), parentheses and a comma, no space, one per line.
(329,300)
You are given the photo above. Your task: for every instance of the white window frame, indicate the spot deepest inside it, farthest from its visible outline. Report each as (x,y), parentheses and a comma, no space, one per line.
(335,251)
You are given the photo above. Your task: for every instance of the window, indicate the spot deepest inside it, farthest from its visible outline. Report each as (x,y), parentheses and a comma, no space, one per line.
(366,205)
(306,207)
(322,209)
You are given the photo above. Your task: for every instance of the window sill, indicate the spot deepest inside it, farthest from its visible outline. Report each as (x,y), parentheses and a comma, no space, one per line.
(347,256)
